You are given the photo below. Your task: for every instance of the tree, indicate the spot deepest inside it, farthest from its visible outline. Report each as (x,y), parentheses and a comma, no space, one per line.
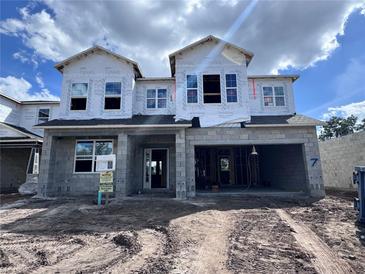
(337,126)
(361,126)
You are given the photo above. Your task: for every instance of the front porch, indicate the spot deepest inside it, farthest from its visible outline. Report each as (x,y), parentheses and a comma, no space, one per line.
(147,161)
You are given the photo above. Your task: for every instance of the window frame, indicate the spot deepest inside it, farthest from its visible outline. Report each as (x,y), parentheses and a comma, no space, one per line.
(236,88)
(80,97)
(93,154)
(49,114)
(273,95)
(113,96)
(156,98)
(220,85)
(187,89)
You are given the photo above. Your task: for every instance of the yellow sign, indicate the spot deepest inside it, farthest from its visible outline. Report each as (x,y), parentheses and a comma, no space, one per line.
(106,181)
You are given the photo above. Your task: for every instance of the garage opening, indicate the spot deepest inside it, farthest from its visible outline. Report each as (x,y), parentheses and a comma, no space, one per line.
(254,167)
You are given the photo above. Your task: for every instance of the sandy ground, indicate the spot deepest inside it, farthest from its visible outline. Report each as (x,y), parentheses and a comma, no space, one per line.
(155,235)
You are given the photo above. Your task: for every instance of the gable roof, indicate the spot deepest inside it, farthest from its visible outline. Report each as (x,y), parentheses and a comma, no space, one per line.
(172,56)
(22,131)
(28,102)
(9,98)
(59,66)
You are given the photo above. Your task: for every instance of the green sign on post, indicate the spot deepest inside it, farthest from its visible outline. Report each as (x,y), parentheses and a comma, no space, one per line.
(105,186)
(106,181)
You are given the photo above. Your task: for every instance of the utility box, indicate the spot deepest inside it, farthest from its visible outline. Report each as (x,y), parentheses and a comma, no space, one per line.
(359,203)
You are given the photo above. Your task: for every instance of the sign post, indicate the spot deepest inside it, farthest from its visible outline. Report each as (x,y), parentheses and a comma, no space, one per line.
(106,185)
(105,164)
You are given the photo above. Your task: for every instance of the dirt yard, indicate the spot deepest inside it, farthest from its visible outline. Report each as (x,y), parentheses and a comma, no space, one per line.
(206,235)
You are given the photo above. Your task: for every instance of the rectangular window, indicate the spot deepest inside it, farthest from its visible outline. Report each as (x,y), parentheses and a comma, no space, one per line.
(279,96)
(192,88)
(113,93)
(274,96)
(43,115)
(157,98)
(212,88)
(231,88)
(268,97)
(86,152)
(79,96)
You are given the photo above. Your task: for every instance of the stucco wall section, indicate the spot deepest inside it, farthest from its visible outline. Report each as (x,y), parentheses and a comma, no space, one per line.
(339,157)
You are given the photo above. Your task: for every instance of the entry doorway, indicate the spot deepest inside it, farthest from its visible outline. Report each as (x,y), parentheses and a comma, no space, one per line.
(156,168)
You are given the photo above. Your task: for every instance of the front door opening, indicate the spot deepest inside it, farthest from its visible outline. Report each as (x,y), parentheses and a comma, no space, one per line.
(156,168)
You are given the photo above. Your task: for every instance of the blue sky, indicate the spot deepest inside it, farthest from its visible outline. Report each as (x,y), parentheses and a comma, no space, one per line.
(324,43)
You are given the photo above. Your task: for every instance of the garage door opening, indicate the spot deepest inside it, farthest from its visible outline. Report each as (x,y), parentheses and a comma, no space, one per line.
(253,167)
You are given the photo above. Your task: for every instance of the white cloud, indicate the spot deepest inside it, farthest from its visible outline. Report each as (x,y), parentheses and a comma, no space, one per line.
(39,80)
(19,88)
(357,109)
(281,33)
(25,57)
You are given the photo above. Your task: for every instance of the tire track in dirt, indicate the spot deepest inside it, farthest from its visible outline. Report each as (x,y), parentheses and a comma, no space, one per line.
(99,253)
(325,260)
(260,242)
(203,239)
(151,242)
(162,261)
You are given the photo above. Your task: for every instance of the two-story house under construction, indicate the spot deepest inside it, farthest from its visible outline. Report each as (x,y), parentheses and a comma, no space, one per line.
(20,143)
(209,127)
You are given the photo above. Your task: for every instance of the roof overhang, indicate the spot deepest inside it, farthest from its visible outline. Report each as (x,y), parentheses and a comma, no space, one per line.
(284,125)
(60,66)
(25,140)
(292,77)
(9,98)
(249,55)
(17,129)
(115,126)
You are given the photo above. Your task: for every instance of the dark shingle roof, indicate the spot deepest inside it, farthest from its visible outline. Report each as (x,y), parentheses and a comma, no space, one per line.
(289,120)
(136,120)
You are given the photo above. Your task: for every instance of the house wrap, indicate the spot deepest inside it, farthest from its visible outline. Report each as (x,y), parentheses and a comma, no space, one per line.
(209,127)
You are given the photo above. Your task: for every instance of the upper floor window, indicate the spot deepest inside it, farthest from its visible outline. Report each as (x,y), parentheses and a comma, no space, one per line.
(192,88)
(86,152)
(231,88)
(43,115)
(274,96)
(79,96)
(113,93)
(212,88)
(157,98)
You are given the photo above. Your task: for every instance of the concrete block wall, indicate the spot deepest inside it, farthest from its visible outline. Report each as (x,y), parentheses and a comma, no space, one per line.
(56,171)
(283,167)
(247,136)
(13,168)
(181,165)
(339,157)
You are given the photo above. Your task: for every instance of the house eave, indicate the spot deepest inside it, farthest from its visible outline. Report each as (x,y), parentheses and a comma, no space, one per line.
(115,126)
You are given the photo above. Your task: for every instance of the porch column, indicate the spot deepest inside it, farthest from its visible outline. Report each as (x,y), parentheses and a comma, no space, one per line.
(313,165)
(46,168)
(180,165)
(121,167)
